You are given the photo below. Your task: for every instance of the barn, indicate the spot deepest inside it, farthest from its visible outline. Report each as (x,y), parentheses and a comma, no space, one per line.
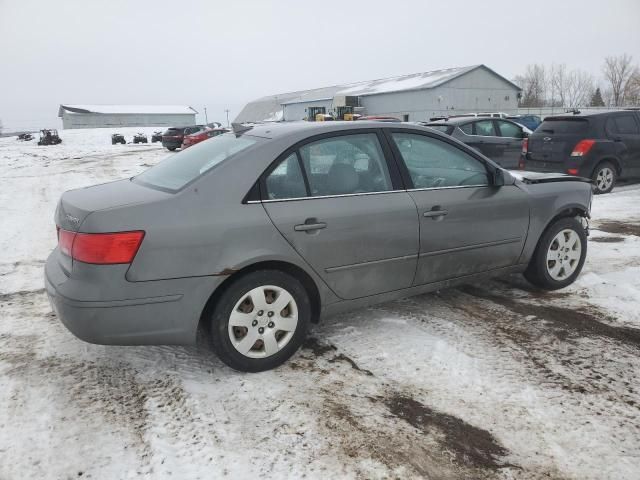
(415,97)
(99,116)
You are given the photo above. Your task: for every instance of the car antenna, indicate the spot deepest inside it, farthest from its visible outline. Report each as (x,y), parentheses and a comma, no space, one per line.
(239,128)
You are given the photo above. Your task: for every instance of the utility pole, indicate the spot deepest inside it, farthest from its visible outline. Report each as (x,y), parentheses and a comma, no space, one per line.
(227,112)
(206,119)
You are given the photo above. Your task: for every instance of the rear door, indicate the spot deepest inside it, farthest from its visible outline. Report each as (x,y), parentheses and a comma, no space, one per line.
(623,129)
(511,136)
(467,225)
(484,138)
(339,201)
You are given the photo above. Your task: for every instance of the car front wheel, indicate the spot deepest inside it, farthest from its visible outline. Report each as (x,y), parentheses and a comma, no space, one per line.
(260,320)
(604,177)
(559,256)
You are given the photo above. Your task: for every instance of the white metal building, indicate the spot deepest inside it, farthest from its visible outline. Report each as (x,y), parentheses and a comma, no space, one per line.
(415,97)
(97,116)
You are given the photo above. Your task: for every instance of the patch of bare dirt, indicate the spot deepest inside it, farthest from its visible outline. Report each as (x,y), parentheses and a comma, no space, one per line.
(470,445)
(583,321)
(620,228)
(606,239)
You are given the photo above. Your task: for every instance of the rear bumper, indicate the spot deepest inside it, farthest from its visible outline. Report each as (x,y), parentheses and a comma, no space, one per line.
(145,313)
(171,143)
(583,166)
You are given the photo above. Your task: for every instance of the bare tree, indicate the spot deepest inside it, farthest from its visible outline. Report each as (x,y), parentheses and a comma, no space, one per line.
(534,85)
(618,71)
(578,89)
(558,85)
(632,89)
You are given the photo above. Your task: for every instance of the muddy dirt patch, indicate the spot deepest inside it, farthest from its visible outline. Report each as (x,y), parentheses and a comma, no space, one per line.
(606,239)
(620,228)
(470,445)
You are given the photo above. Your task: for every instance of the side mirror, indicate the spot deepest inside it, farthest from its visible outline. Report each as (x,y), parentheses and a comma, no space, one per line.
(502,177)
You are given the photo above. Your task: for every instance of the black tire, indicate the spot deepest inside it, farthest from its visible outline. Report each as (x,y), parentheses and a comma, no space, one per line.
(602,170)
(221,341)
(538,270)
(171,149)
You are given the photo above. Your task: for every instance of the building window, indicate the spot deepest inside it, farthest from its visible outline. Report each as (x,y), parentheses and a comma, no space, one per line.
(506,98)
(405,117)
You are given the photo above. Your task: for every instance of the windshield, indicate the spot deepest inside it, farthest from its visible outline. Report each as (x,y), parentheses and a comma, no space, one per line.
(182,168)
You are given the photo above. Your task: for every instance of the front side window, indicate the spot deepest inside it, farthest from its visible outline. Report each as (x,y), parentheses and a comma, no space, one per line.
(433,163)
(286,180)
(346,164)
(178,170)
(509,130)
(467,128)
(485,128)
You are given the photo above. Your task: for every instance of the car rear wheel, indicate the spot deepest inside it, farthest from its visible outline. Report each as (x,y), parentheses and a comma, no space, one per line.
(559,256)
(171,148)
(604,177)
(260,320)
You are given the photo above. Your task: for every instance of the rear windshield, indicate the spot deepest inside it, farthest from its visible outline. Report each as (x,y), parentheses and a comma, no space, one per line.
(441,128)
(578,125)
(182,168)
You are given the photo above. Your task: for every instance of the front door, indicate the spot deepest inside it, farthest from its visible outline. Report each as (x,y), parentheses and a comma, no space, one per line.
(340,206)
(467,225)
(623,129)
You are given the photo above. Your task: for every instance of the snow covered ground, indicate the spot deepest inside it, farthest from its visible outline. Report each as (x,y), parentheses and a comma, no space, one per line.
(486,381)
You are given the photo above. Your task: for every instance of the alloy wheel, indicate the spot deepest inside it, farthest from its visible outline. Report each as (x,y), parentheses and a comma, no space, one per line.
(604,179)
(564,254)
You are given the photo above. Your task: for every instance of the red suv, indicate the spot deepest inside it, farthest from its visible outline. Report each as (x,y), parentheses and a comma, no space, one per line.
(173,137)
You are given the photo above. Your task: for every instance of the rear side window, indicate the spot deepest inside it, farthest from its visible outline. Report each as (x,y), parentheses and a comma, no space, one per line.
(467,128)
(286,180)
(433,163)
(346,164)
(442,128)
(624,124)
(564,126)
(178,170)
(485,128)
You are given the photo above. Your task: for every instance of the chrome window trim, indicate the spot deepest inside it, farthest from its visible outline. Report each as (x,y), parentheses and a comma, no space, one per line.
(446,188)
(273,200)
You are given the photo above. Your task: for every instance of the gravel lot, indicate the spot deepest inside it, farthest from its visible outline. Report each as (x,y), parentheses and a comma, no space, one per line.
(493,380)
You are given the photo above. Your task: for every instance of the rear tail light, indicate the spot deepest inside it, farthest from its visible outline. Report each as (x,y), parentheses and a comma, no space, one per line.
(100,248)
(572,171)
(525,146)
(582,148)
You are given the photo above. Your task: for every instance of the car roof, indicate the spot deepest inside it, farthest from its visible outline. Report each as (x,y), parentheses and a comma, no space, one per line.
(587,114)
(284,129)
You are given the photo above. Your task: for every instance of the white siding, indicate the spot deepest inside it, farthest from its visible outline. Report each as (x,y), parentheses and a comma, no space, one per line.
(297,111)
(96,120)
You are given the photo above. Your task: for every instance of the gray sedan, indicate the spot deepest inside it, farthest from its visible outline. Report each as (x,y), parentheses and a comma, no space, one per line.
(256,233)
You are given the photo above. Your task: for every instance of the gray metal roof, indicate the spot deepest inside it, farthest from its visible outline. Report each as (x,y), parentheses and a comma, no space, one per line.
(269,108)
(128,109)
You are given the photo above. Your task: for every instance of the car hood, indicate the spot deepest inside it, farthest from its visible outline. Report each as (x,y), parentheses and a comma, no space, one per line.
(539,177)
(76,205)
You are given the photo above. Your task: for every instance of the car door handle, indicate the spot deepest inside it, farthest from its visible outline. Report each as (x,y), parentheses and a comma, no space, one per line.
(310,225)
(435,213)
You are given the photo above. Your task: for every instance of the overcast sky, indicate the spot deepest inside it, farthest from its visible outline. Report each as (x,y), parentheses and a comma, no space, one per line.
(224,54)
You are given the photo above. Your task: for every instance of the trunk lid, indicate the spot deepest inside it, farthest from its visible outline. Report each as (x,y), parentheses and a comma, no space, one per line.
(76,205)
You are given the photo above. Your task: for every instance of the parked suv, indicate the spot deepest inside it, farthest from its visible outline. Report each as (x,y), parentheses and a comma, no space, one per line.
(497,138)
(602,146)
(174,136)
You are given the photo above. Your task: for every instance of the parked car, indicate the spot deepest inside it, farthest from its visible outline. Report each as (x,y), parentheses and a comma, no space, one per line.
(602,146)
(174,136)
(497,138)
(49,137)
(156,137)
(481,114)
(259,232)
(140,138)
(25,137)
(202,135)
(117,138)
(530,121)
